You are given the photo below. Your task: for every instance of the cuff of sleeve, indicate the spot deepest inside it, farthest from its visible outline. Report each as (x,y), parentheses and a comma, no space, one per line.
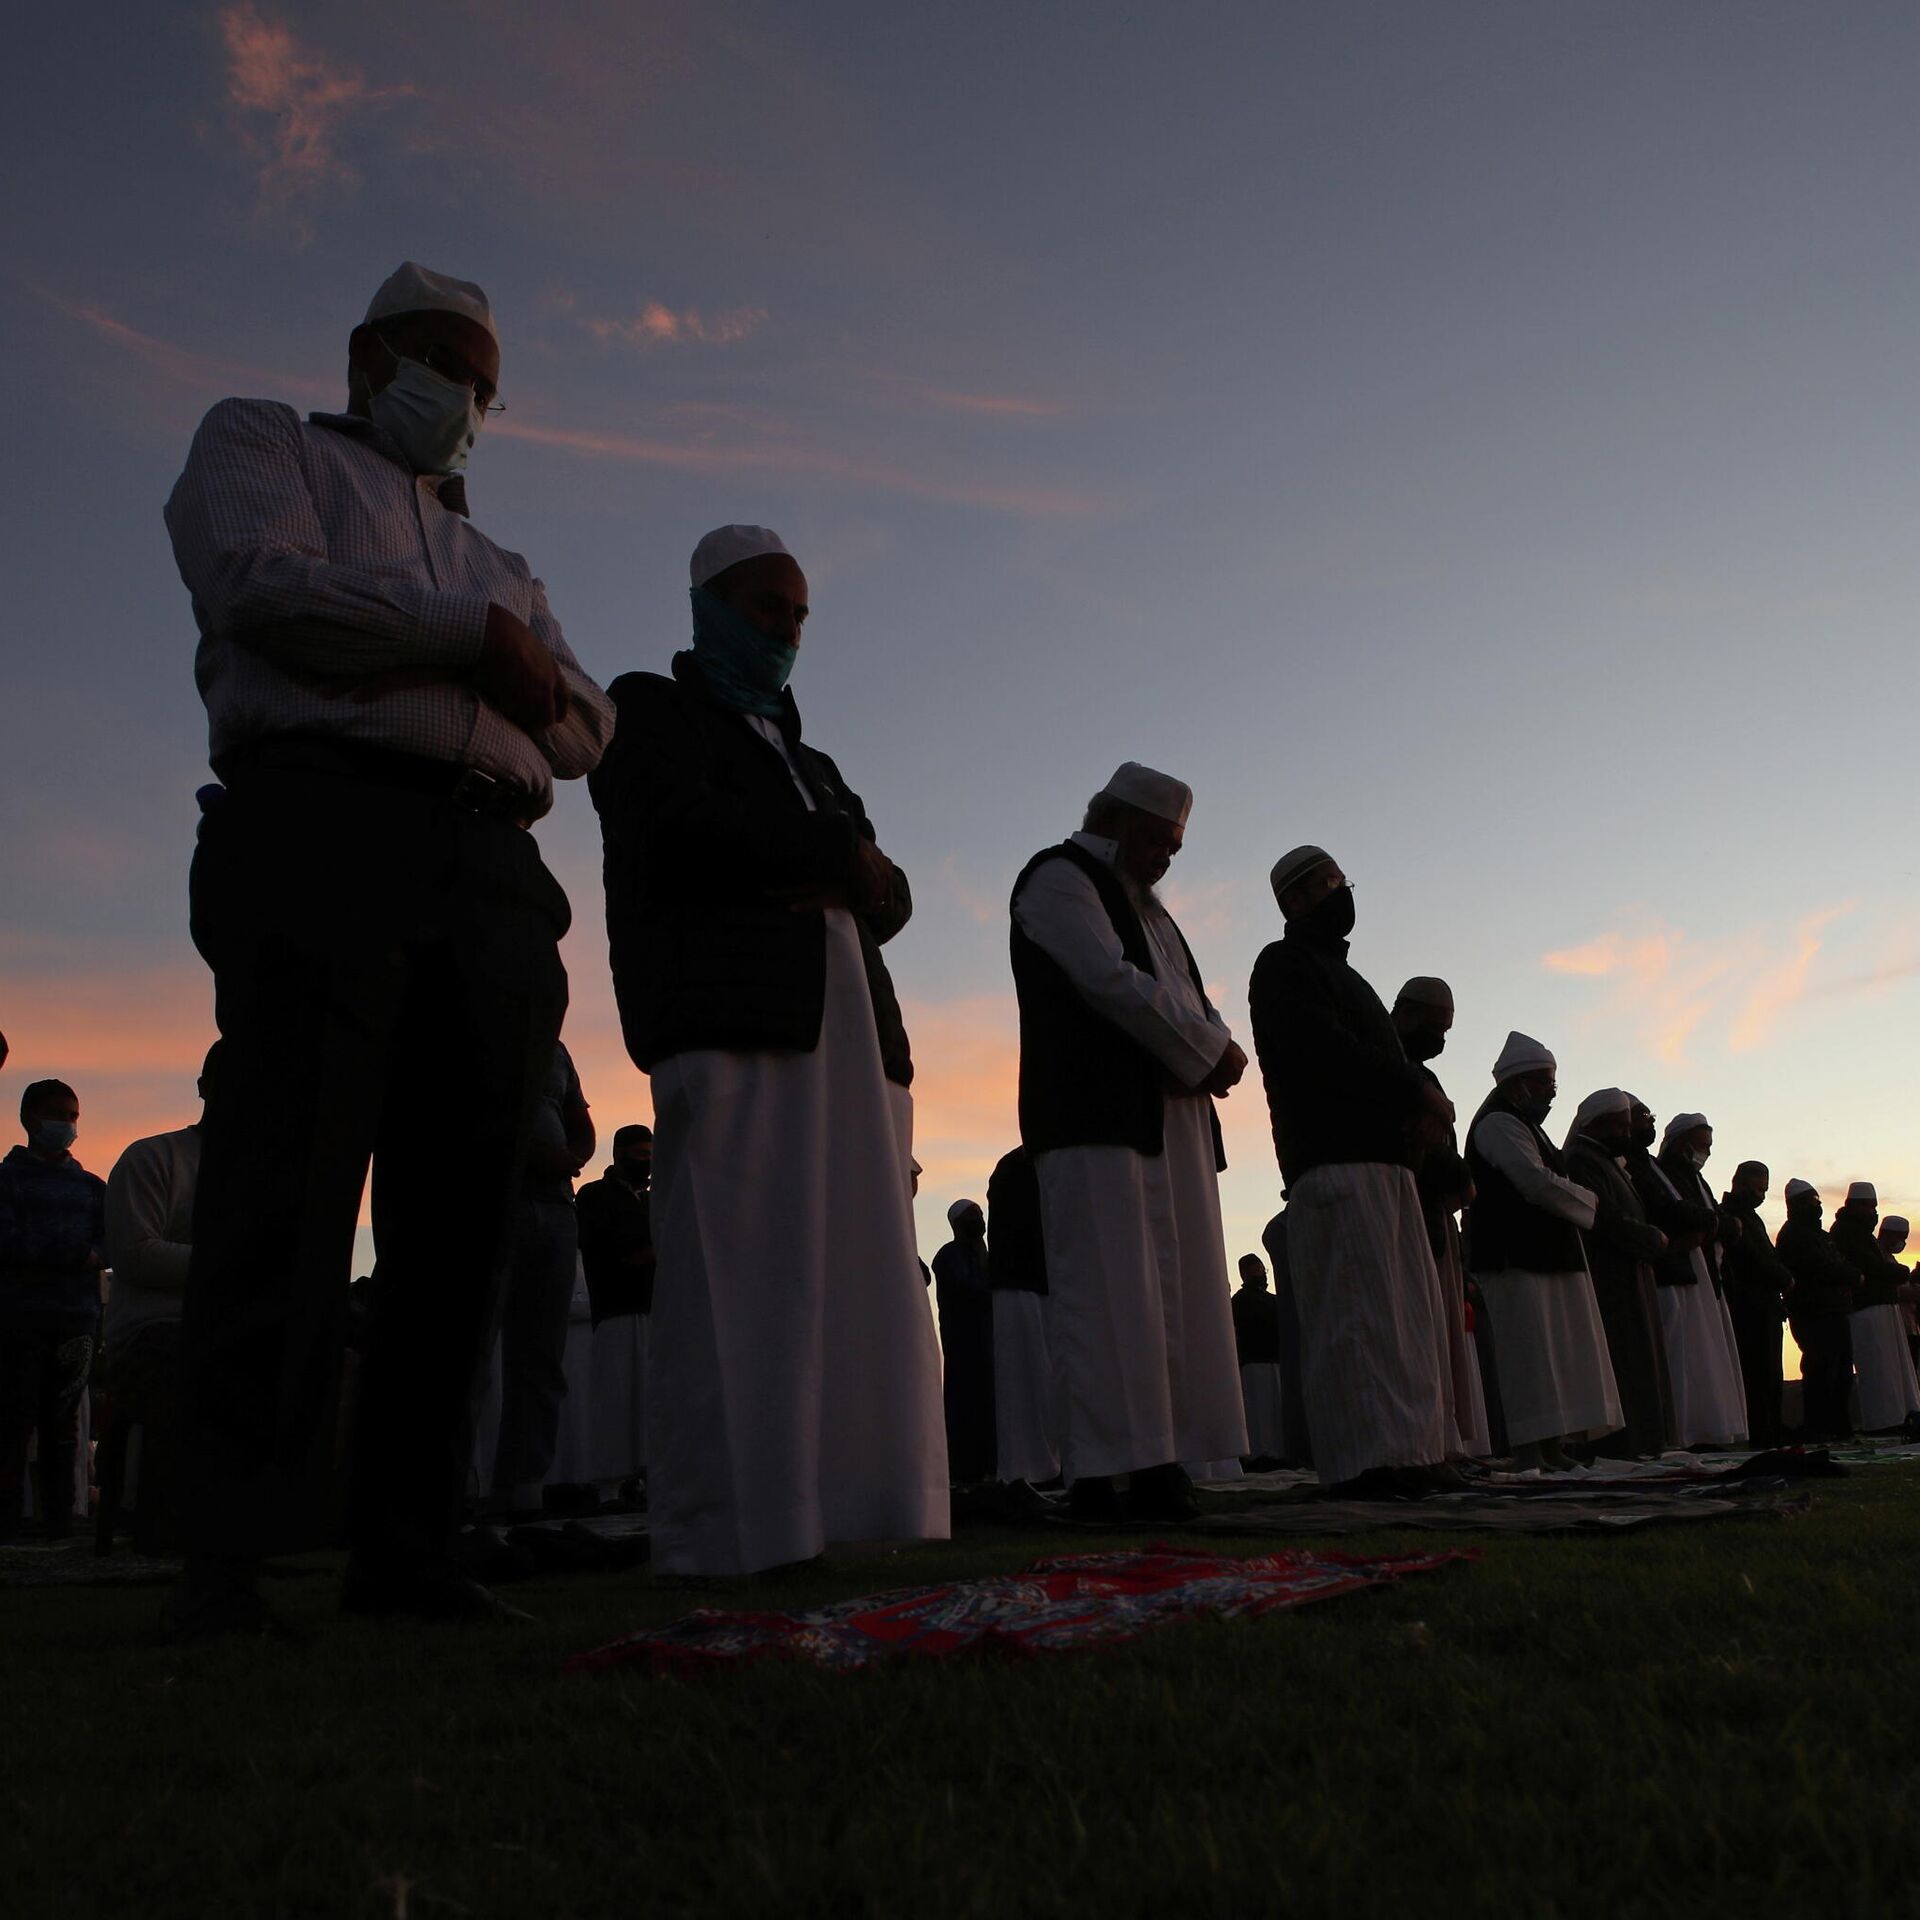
(452,627)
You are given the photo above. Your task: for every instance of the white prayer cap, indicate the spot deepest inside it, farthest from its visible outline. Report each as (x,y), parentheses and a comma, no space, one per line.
(1795,1188)
(1606,1100)
(1293,867)
(1424,990)
(1862,1190)
(1159,794)
(959,1211)
(1683,1123)
(412,288)
(726,547)
(1522,1054)
(1894,1223)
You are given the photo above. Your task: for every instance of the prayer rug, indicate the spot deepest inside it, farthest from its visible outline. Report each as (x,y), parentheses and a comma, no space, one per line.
(1508,1510)
(1059,1605)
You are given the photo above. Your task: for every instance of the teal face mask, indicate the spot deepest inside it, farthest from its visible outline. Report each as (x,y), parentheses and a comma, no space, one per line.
(434,421)
(745,669)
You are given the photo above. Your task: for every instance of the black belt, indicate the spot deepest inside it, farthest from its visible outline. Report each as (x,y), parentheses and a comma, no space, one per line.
(465,787)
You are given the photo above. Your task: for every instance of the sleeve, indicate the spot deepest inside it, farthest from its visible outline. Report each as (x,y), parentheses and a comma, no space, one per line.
(1303,1042)
(1059,911)
(1511,1147)
(1612,1226)
(574,747)
(249,543)
(897,909)
(139,1203)
(657,786)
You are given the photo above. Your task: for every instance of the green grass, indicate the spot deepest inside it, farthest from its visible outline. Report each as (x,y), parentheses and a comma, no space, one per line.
(1714,1718)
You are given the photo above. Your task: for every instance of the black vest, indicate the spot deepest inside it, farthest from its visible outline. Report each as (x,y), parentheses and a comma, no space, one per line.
(1505,1231)
(1083,1082)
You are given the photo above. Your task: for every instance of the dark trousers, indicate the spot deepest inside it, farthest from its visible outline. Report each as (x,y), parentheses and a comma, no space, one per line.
(388,985)
(1630,1313)
(1756,1332)
(42,1376)
(1826,1372)
(533,1342)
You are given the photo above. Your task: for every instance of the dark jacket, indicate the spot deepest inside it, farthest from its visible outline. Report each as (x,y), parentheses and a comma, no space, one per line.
(1824,1279)
(1256,1328)
(1505,1230)
(53,1222)
(703,829)
(1880,1273)
(1340,1090)
(1673,1213)
(1694,1192)
(1757,1279)
(1444,1180)
(1621,1240)
(1017,1249)
(616,1247)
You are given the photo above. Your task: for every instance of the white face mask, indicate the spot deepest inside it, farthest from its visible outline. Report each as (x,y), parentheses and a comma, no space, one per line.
(434,421)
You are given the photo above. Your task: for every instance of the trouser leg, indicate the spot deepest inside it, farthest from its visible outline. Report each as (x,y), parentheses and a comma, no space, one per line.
(63,1379)
(533,1342)
(22,1353)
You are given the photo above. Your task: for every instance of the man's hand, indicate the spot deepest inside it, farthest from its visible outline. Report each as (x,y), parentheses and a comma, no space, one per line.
(1436,1103)
(517,675)
(1662,1238)
(872,885)
(1227,1072)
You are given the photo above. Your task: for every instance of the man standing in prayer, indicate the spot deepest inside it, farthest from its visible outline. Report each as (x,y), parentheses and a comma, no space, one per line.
(390,702)
(1757,1282)
(1885,1392)
(1256,1341)
(1423,1017)
(794,1381)
(1121,1058)
(1025,1423)
(1703,1357)
(1621,1249)
(616,1252)
(1892,1236)
(964,1295)
(1820,1312)
(1523,1239)
(1350,1114)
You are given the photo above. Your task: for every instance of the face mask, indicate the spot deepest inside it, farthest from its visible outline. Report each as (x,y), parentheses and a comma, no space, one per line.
(434,421)
(1535,1107)
(54,1136)
(1698,1158)
(1642,1135)
(1424,1043)
(1333,917)
(745,667)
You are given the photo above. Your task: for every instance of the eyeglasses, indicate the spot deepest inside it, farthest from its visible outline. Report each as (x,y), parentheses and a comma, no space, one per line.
(443,360)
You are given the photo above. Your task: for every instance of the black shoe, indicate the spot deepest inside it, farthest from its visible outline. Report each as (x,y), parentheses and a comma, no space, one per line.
(1383,1483)
(221,1604)
(440,1595)
(1096,1500)
(1162,1495)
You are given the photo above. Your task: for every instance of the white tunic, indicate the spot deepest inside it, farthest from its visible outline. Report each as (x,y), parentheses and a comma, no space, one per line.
(793,1376)
(1703,1356)
(1884,1388)
(1025,1418)
(618,1397)
(1137,1311)
(1261,1393)
(1556,1376)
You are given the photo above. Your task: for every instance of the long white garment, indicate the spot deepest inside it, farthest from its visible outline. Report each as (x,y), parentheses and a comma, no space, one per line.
(1703,1356)
(1556,1374)
(793,1378)
(1466,1397)
(1026,1433)
(573,1444)
(1138,1311)
(1373,1341)
(1884,1388)
(619,1376)
(1261,1393)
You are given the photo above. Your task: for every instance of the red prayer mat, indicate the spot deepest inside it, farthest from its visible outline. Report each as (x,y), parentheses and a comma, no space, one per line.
(1057,1605)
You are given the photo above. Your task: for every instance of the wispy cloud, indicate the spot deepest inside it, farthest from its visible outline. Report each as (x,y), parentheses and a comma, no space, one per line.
(904,389)
(288,104)
(659,325)
(1668,986)
(212,373)
(965,1091)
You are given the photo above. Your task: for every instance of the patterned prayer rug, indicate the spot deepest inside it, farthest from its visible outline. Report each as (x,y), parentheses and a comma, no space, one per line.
(1058,1605)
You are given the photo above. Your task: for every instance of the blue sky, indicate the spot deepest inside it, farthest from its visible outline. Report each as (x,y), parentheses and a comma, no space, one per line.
(1480,439)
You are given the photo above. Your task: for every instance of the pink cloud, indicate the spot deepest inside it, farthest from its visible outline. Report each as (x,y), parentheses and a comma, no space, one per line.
(289,104)
(1000,406)
(658,325)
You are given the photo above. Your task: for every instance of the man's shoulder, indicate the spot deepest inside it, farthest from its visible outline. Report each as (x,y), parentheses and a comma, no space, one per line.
(239,415)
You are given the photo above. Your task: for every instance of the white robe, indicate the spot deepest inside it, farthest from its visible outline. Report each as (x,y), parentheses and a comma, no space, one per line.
(1026,1429)
(1261,1393)
(793,1375)
(1373,1334)
(1138,1316)
(1884,1388)
(1703,1356)
(618,1386)
(1556,1374)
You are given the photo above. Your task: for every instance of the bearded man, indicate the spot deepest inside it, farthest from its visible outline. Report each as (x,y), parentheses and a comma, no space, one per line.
(1820,1312)
(1885,1392)
(1121,1058)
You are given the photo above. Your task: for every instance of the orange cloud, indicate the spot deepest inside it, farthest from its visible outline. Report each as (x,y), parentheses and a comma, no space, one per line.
(965,1088)
(658,325)
(1669,985)
(288,105)
(1000,406)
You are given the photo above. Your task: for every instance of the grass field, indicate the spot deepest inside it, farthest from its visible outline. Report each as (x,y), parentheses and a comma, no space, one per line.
(1713,1718)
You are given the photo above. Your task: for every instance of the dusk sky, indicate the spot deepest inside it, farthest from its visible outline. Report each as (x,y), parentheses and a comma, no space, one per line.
(1479,438)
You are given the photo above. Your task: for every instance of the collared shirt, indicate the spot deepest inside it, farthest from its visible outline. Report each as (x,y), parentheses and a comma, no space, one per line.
(338,593)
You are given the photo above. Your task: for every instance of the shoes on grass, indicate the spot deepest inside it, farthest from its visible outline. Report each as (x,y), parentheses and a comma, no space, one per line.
(440,1595)
(1162,1496)
(221,1605)
(1096,1499)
